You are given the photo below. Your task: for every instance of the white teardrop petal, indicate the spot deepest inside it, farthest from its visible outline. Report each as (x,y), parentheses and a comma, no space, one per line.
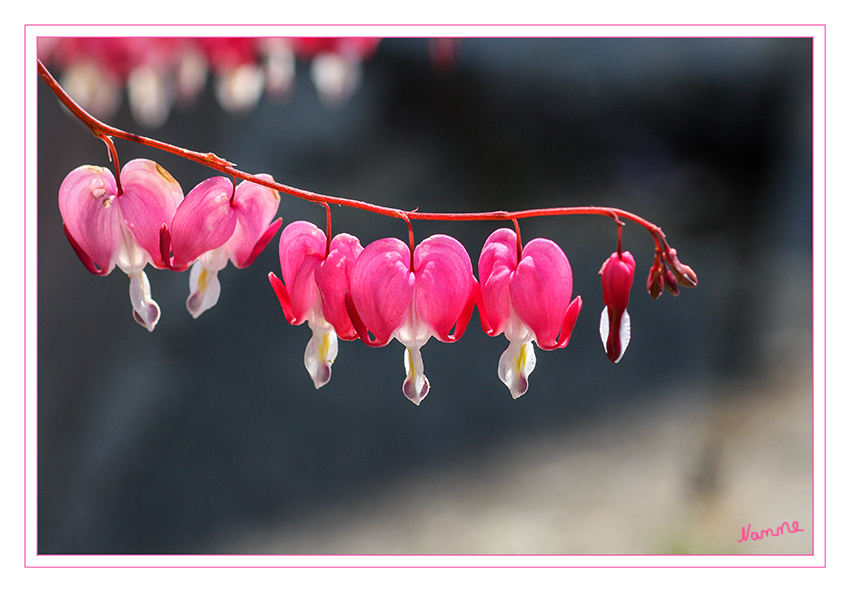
(416,385)
(320,354)
(204,288)
(515,365)
(625,333)
(603,327)
(145,310)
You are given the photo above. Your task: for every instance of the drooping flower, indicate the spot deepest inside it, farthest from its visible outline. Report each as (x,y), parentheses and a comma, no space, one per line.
(107,229)
(316,278)
(412,298)
(525,294)
(214,225)
(335,64)
(618,273)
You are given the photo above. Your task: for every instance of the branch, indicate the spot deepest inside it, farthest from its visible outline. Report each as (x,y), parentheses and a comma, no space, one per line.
(210,160)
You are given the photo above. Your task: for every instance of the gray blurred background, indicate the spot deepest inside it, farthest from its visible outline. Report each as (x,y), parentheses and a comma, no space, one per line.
(207,436)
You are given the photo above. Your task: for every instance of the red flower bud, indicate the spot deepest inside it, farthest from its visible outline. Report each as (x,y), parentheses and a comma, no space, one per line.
(655,281)
(670,282)
(686,276)
(618,273)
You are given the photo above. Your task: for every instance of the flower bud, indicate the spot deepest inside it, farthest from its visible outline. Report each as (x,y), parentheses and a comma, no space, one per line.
(670,282)
(686,276)
(618,273)
(655,281)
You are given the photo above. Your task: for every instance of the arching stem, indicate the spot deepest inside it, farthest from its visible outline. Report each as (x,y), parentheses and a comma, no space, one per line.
(210,160)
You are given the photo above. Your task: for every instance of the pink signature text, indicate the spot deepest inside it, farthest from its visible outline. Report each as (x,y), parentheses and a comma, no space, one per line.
(768,532)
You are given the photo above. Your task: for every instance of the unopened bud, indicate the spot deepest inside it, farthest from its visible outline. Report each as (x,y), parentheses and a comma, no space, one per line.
(686,276)
(617,273)
(655,281)
(670,282)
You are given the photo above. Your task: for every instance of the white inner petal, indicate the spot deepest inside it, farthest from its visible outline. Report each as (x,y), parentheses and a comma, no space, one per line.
(204,289)
(320,353)
(515,365)
(130,257)
(516,331)
(145,310)
(416,385)
(625,333)
(603,328)
(413,333)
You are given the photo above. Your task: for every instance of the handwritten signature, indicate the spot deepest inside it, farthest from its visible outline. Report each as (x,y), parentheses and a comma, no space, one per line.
(768,532)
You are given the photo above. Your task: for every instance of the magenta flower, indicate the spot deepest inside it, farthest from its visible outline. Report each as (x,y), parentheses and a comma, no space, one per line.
(106,229)
(527,297)
(412,298)
(215,224)
(617,273)
(316,278)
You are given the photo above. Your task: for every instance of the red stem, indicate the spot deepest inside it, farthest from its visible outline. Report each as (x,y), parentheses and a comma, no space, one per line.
(233,193)
(104,131)
(113,156)
(327,229)
(518,241)
(619,239)
(411,241)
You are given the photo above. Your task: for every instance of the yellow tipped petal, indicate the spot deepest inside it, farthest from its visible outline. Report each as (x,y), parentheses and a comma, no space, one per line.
(515,365)
(204,289)
(416,385)
(320,354)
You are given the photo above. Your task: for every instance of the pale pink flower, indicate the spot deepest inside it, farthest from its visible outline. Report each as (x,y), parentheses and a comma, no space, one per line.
(335,64)
(107,229)
(215,225)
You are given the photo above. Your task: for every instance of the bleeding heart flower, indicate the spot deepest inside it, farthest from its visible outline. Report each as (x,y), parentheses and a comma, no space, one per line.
(412,298)
(215,224)
(335,64)
(316,278)
(526,296)
(107,229)
(618,273)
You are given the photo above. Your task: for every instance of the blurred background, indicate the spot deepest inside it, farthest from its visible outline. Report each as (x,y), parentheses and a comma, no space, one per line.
(207,436)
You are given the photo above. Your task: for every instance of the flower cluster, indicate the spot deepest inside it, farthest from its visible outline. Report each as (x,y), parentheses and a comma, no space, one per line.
(387,290)
(391,290)
(160,72)
(144,217)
